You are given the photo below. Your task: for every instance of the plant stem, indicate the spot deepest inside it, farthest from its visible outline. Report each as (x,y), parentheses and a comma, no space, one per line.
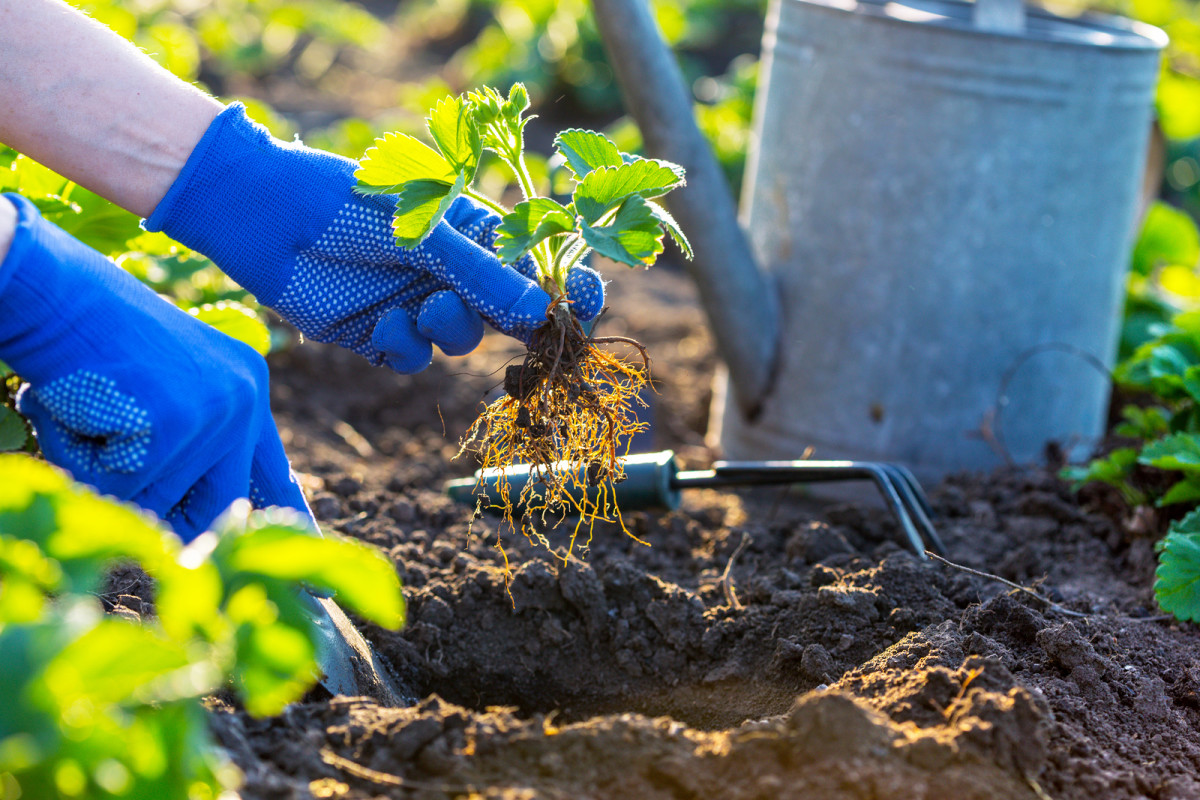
(523,177)
(541,254)
(579,252)
(484,200)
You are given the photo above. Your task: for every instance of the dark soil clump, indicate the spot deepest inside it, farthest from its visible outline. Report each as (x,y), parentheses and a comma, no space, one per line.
(761,647)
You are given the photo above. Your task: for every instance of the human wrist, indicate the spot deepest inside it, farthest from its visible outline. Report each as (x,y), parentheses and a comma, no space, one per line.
(92,106)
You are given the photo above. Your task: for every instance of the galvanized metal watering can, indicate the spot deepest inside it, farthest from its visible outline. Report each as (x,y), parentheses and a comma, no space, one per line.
(940,205)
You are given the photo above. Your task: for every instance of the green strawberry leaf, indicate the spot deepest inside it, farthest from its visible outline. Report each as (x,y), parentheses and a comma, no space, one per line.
(605,188)
(13,432)
(672,227)
(454,130)
(1185,491)
(529,224)
(398,159)
(587,150)
(1179,451)
(421,206)
(633,237)
(1114,469)
(1142,423)
(1177,579)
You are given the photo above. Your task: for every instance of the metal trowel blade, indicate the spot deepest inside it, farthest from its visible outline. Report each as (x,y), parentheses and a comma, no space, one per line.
(349,665)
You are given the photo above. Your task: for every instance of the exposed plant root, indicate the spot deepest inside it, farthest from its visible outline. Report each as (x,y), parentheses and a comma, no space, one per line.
(568,412)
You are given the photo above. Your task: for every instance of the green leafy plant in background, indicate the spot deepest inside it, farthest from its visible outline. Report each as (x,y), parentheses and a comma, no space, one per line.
(1177,579)
(93,706)
(1160,367)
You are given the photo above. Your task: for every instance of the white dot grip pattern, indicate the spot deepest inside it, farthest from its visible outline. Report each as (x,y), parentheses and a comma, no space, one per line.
(354,274)
(98,426)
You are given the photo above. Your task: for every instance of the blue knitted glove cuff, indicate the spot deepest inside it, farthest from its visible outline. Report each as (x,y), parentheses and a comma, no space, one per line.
(252,203)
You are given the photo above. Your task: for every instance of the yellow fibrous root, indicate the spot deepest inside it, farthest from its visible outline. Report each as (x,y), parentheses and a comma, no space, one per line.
(569,412)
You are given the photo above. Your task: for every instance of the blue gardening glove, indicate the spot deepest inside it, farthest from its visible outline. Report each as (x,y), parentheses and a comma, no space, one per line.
(285,222)
(129,393)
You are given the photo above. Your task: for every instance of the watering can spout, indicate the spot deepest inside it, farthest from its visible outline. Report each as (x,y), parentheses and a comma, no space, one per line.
(739,298)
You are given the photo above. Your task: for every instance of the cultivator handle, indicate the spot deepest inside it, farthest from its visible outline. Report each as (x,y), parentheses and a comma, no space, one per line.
(649,484)
(654,481)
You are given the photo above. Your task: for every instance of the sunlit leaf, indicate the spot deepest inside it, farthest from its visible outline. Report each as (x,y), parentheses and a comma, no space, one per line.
(113,662)
(1169,237)
(276,648)
(454,130)
(530,223)
(421,206)
(672,227)
(606,187)
(1178,104)
(74,526)
(587,150)
(632,237)
(189,594)
(398,159)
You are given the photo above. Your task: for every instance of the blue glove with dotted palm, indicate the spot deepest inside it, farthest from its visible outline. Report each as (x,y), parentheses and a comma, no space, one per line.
(284,221)
(129,393)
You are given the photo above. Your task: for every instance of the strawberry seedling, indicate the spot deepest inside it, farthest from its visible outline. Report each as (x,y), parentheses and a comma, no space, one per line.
(569,408)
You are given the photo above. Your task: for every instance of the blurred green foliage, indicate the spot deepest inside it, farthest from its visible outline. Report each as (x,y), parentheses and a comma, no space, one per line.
(102,707)
(1161,465)
(215,39)
(554,48)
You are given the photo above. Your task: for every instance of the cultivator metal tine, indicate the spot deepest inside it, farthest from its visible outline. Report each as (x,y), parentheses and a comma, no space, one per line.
(899,488)
(910,490)
(653,480)
(899,498)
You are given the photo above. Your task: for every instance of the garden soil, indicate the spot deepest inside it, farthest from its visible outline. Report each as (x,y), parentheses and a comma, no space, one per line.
(762,646)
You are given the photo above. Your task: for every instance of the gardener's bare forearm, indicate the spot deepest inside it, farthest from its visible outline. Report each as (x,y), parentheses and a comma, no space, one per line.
(91,106)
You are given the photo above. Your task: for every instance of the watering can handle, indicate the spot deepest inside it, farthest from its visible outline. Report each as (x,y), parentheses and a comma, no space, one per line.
(999,16)
(739,298)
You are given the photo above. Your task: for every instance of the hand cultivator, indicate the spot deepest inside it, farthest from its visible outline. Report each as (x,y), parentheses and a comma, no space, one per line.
(654,481)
